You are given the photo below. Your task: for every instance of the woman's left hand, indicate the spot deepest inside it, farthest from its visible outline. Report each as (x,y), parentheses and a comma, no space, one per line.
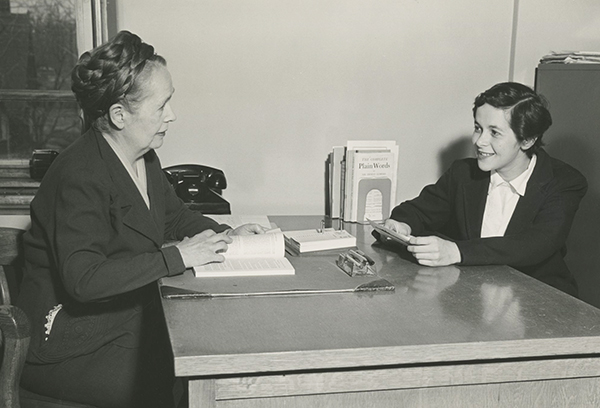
(434,251)
(248,229)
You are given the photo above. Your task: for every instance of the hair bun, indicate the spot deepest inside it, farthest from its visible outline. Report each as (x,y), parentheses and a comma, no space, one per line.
(104,75)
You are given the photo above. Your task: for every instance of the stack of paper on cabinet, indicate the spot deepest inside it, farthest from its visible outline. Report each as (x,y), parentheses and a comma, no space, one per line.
(251,255)
(312,240)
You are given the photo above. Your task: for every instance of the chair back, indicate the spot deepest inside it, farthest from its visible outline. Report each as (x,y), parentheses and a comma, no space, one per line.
(11,260)
(14,325)
(15,330)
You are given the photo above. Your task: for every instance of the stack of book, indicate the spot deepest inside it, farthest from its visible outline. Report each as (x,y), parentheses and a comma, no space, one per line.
(361,180)
(313,240)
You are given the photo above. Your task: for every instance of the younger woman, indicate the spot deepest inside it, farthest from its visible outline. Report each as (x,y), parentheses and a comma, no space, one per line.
(513,204)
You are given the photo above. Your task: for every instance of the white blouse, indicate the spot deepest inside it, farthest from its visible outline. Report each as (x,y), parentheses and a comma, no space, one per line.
(502,200)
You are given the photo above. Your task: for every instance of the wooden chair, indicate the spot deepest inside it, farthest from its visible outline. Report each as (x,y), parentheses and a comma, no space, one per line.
(15,330)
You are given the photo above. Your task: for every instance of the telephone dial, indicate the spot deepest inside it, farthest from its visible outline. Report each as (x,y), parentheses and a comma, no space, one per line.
(200,187)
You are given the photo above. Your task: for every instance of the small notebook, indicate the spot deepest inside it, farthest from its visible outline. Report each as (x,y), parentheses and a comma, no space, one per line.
(312,240)
(391,234)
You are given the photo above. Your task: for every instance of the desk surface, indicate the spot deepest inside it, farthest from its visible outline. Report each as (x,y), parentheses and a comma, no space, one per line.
(435,315)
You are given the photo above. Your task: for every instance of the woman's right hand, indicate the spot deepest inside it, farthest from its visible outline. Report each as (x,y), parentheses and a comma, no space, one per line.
(203,248)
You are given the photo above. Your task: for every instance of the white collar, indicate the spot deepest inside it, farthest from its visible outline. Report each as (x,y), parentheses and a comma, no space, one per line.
(518,184)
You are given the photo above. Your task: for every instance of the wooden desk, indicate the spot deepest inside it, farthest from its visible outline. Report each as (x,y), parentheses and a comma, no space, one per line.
(468,336)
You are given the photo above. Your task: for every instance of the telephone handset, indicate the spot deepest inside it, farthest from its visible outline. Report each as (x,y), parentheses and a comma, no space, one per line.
(192,182)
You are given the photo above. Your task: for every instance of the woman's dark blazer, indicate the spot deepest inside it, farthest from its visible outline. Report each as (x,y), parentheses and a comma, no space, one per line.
(95,248)
(534,242)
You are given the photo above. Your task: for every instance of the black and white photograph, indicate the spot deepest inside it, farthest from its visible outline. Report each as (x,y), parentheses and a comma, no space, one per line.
(299,203)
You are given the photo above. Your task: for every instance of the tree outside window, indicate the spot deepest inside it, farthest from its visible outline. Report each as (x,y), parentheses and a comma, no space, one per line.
(38,48)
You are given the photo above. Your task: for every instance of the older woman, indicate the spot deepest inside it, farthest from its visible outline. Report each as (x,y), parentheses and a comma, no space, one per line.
(512,204)
(95,248)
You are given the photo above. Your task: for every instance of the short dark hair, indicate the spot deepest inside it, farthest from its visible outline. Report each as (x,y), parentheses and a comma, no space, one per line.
(108,74)
(529,116)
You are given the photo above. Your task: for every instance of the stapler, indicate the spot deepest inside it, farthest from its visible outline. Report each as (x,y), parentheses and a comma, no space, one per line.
(355,263)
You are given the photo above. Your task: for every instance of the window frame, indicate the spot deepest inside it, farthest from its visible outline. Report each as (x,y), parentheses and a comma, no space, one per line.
(91,22)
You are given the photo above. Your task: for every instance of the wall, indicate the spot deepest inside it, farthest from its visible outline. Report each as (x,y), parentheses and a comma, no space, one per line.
(546,26)
(265,88)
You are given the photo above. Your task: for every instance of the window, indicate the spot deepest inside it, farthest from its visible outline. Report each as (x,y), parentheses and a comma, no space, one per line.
(40,41)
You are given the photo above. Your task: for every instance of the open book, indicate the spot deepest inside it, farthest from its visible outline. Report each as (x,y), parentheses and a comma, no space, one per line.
(251,255)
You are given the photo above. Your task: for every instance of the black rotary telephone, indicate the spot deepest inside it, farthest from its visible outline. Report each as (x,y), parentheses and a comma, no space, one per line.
(200,187)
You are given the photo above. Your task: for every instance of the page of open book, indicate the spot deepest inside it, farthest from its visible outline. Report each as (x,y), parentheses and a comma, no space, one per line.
(269,245)
(246,267)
